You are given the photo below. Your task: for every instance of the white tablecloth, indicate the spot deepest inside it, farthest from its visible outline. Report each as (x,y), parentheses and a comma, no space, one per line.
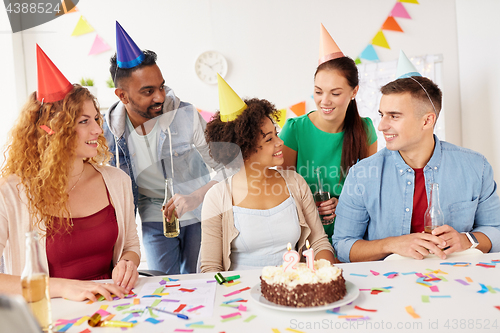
(465,310)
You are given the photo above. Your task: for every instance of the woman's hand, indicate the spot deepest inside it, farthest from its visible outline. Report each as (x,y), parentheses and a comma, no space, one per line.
(77,290)
(125,274)
(328,208)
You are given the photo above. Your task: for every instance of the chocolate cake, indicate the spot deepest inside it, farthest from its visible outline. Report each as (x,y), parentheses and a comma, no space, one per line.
(302,287)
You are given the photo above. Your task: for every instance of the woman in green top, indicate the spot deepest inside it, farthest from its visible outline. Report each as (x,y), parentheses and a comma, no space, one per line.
(331,139)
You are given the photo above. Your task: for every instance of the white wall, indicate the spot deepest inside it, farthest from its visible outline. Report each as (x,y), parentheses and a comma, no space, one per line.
(479,52)
(271,46)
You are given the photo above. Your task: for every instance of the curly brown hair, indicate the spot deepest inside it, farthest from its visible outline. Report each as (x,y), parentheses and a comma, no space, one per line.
(244,132)
(41,161)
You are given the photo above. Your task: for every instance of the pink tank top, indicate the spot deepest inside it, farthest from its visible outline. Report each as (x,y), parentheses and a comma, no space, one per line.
(87,252)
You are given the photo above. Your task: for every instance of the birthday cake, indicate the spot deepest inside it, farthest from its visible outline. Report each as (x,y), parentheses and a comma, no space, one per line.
(303,287)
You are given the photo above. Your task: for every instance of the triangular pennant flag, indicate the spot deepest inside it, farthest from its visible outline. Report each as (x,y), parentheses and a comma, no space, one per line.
(410,1)
(282,118)
(82,27)
(357,61)
(66,7)
(391,24)
(299,109)
(369,53)
(230,104)
(405,67)
(52,84)
(99,46)
(380,40)
(206,115)
(399,11)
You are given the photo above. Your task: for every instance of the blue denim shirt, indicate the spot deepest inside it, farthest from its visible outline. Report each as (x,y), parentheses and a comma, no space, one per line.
(377,198)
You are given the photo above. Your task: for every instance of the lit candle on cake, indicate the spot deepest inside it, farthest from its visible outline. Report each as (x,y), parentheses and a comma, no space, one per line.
(309,254)
(290,258)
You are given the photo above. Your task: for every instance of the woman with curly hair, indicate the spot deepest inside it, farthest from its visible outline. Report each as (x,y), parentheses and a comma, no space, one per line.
(248,220)
(55,181)
(328,141)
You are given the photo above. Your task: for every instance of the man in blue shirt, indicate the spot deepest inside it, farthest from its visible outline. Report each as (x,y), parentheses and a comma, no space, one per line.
(381,208)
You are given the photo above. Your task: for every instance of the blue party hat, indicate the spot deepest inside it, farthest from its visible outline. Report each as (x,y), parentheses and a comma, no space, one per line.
(128,54)
(405,67)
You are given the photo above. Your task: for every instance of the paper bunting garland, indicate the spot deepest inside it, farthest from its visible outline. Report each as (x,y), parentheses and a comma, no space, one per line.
(206,115)
(410,1)
(400,11)
(391,24)
(369,53)
(299,109)
(379,40)
(282,118)
(99,46)
(82,27)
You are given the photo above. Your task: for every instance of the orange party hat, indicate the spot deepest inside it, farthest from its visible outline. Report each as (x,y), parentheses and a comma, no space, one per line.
(52,84)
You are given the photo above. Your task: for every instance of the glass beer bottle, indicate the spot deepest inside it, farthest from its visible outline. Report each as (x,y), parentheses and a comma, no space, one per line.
(433,217)
(35,283)
(170,229)
(321,196)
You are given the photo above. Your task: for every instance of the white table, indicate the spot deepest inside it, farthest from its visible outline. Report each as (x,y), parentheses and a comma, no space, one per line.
(465,311)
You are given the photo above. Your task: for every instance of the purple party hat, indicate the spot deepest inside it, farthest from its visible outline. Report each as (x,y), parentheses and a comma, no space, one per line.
(128,54)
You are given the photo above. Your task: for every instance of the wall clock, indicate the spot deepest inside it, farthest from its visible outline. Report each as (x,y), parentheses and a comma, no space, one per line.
(208,64)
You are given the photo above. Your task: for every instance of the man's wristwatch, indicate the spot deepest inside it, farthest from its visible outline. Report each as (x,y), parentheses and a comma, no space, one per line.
(472,239)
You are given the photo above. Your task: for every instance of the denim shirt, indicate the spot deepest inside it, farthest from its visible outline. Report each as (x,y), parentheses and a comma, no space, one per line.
(377,198)
(190,151)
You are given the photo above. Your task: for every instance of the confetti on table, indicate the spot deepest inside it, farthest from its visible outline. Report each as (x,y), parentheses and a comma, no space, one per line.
(390,273)
(230,318)
(149,296)
(86,331)
(186,290)
(246,288)
(127,318)
(182,330)
(232,300)
(163,282)
(485,265)
(156,302)
(249,319)
(201,326)
(374,273)
(420,275)
(171,286)
(292,330)
(350,316)
(392,276)
(230,305)
(440,296)
(484,289)
(82,320)
(335,312)
(411,312)
(179,309)
(137,301)
(64,328)
(442,278)
(169,300)
(196,308)
(195,323)
(361,275)
(491,290)
(275,330)
(462,282)
(362,318)
(496,260)
(434,289)
(364,289)
(376,292)
(468,279)
(242,307)
(425,299)
(409,273)
(111,316)
(154,321)
(104,307)
(89,302)
(102,312)
(497,306)
(362,309)
(231,283)
(231,315)
(211,281)
(158,290)
(232,293)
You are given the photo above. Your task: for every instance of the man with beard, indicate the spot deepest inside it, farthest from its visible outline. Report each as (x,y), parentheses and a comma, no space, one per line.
(153,135)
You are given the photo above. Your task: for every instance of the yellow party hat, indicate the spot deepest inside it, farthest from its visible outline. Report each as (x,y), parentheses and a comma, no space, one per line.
(230,104)
(328,49)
